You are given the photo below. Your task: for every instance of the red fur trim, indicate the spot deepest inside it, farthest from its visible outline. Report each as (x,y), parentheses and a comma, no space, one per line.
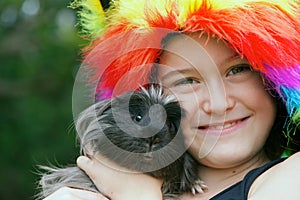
(156,19)
(123,58)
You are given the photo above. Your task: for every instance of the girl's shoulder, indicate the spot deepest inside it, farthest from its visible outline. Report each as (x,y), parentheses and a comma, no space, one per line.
(282,181)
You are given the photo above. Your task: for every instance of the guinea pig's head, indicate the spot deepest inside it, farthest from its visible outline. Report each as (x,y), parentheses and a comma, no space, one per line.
(138,129)
(146,117)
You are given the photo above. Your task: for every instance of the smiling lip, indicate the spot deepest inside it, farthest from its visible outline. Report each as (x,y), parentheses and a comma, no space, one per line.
(225,128)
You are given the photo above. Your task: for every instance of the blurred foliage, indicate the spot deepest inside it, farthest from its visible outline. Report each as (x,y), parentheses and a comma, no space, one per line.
(39,57)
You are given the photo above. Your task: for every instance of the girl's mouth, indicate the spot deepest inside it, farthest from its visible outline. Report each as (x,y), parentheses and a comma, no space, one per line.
(222,126)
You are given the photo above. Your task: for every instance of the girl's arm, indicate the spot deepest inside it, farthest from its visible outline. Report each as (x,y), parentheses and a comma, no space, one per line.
(279,182)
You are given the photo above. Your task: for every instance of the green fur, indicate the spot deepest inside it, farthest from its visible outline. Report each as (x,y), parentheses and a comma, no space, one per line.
(91,17)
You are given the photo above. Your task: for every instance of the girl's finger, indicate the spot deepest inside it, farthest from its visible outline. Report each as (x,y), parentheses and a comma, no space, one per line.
(66,193)
(99,173)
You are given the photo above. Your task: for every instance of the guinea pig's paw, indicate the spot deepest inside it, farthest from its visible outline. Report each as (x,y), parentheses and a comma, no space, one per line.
(199,187)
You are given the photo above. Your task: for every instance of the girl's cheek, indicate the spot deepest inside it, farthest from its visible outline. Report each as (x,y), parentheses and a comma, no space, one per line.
(184,96)
(189,102)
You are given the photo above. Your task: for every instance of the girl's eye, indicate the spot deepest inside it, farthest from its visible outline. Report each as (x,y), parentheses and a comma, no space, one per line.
(239,69)
(186,81)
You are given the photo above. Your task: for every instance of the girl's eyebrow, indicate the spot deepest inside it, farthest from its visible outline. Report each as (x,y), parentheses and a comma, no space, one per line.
(234,56)
(176,72)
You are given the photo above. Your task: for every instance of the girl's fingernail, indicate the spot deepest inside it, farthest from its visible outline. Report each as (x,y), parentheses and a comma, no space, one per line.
(82,160)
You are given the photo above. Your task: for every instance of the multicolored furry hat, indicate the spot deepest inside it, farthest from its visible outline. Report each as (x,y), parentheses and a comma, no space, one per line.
(126,39)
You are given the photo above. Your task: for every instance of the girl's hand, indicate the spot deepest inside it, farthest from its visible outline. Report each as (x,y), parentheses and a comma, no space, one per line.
(66,193)
(119,183)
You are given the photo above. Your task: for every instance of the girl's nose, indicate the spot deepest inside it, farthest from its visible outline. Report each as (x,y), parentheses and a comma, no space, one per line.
(217,100)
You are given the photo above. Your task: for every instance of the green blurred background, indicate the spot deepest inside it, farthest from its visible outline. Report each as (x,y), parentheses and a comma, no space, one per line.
(39,58)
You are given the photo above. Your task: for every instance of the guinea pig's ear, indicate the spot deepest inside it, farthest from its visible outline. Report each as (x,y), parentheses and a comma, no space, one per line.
(103,106)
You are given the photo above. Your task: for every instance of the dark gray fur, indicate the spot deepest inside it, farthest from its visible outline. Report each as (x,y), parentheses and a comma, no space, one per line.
(107,127)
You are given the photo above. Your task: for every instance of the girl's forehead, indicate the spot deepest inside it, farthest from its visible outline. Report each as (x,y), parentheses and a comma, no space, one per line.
(195,49)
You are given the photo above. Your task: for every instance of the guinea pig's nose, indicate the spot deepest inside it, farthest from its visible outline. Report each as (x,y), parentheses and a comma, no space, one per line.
(148,156)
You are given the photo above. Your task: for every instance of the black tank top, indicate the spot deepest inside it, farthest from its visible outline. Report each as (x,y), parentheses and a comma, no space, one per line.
(240,190)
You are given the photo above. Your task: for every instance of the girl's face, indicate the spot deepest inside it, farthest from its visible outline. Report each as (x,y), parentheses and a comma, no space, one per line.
(228,112)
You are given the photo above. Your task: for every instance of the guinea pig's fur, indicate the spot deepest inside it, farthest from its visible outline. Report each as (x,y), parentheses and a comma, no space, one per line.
(139,130)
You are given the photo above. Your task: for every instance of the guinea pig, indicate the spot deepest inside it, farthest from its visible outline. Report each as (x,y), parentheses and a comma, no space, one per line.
(139,130)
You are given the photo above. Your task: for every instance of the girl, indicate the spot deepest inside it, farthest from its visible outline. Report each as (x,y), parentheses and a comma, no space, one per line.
(234,67)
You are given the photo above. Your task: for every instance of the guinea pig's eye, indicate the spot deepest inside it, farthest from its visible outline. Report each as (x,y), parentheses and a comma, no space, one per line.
(138,118)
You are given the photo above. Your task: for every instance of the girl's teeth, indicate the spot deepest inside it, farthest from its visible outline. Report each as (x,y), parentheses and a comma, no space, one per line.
(223,126)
